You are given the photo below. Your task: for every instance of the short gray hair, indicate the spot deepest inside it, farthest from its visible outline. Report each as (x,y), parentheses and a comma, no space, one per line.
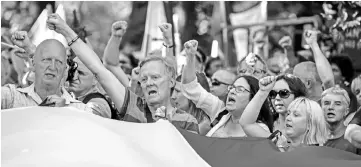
(167,61)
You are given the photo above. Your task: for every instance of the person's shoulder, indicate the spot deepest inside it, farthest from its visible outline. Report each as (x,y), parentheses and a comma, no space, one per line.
(11,87)
(185,121)
(181,115)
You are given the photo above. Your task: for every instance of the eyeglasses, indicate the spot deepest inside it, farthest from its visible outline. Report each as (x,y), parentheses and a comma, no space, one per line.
(284,94)
(251,71)
(357,91)
(239,89)
(215,82)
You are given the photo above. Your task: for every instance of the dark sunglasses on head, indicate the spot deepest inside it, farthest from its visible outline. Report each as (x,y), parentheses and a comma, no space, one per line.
(217,83)
(284,93)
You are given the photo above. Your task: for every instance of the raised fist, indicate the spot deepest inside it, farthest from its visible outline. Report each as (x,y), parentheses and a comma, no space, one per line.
(119,28)
(285,42)
(311,37)
(21,39)
(56,23)
(190,47)
(166,29)
(25,47)
(267,83)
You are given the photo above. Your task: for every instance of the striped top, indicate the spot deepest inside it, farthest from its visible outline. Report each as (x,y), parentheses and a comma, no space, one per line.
(137,110)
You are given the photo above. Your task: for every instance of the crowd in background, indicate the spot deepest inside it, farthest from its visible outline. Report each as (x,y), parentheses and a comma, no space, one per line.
(307,101)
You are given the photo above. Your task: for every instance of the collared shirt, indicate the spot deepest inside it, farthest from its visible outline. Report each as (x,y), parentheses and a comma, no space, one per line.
(204,100)
(13,97)
(137,110)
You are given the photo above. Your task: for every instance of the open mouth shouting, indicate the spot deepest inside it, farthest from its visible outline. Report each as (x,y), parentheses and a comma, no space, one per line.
(152,92)
(231,100)
(330,115)
(288,125)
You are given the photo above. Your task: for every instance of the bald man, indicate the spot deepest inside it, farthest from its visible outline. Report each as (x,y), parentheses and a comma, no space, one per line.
(316,76)
(220,81)
(308,74)
(50,68)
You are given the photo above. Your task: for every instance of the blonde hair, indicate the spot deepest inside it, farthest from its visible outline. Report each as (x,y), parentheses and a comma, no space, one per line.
(317,131)
(356,83)
(337,90)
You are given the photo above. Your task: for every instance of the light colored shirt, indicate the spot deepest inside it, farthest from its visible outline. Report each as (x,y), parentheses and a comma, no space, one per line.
(204,100)
(220,131)
(13,97)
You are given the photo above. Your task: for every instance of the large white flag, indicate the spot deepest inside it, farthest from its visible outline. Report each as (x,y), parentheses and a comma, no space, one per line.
(256,14)
(40,32)
(42,136)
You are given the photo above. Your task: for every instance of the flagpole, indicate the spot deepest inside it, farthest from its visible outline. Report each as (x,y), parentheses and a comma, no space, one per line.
(146,31)
(223,12)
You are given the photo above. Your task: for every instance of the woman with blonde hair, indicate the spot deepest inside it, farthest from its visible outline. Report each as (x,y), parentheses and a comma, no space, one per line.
(305,123)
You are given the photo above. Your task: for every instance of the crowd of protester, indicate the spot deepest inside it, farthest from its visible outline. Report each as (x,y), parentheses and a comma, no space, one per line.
(312,103)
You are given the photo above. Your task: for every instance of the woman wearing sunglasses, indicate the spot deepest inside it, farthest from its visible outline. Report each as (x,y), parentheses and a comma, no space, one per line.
(239,95)
(304,121)
(285,90)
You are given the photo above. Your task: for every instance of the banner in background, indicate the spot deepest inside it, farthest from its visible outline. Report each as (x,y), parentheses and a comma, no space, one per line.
(256,14)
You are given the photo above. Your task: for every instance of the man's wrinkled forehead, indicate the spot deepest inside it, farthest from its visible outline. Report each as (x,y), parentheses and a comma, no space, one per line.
(151,65)
(52,48)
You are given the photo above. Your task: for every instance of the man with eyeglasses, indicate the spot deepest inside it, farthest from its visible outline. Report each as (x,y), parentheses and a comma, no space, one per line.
(85,88)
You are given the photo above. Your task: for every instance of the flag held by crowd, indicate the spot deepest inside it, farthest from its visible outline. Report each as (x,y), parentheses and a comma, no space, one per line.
(45,136)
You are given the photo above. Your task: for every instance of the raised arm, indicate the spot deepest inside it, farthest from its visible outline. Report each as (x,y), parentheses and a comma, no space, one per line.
(111,52)
(323,66)
(26,49)
(286,43)
(110,83)
(192,90)
(166,29)
(189,69)
(251,112)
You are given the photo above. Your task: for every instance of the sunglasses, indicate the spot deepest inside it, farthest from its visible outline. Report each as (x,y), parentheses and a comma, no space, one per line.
(239,89)
(284,94)
(357,91)
(217,83)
